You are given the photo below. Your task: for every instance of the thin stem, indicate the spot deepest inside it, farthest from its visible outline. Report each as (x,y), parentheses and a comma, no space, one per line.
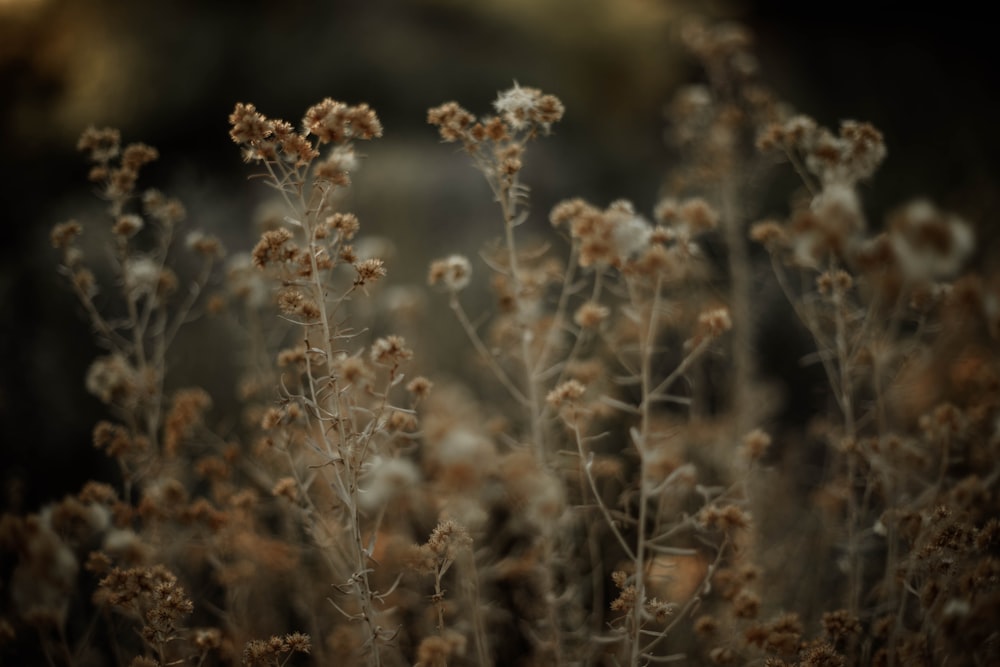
(470,331)
(114,339)
(560,314)
(586,460)
(508,206)
(657,392)
(800,169)
(843,364)
(339,415)
(647,338)
(194,291)
(685,610)
(471,586)
(582,337)
(809,321)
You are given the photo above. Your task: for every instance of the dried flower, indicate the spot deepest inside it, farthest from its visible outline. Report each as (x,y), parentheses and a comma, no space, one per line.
(102,144)
(65,233)
(452,120)
(569,391)
(521,107)
(165,210)
(189,406)
(206,639)
(628,594)
(112,379)
(453,272)
(436,650)
(929,244)
(386,480)
(840,626)
(756,444)
(713,323)
(273,246)
(630,233)
(420,387)
(565,212)
(248,126)
(127,225)
(746,604)
(768,233)
(390,351)
(337,167)
(726,518)
(287,488)
(335,122)
(706,626)
(834,283)
(142,276)
(446,542)
(273,650)
(354,370)
(369,271)
(204,244)
(590,315)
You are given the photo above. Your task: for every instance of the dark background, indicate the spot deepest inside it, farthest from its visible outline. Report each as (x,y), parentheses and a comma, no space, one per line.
(168,73)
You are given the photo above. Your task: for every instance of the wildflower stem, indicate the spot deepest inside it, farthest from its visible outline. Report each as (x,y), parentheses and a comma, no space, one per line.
(847,409)
(470,581)
(801,170)
(809,321)
(560,314)
(352,468)
(586,459)
(506,194)
(647,338)
(484,353)
(681,368)
(194,291)
(111,337)
(843,363)
(582,336)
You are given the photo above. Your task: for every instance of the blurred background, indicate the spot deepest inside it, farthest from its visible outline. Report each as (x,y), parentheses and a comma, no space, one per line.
(169,73)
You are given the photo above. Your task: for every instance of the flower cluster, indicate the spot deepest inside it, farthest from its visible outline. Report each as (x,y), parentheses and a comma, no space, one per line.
(616,464)
(848,157)
(521,111)
(497,143)
(330,122)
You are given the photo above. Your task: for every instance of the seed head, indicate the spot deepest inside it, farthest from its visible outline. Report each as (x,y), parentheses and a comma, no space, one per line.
(453,272)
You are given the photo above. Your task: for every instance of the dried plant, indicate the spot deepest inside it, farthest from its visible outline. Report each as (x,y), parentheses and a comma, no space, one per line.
(610,484)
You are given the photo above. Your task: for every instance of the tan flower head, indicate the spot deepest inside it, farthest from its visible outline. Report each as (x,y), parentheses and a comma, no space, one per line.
(64,234)
(452,121)
(369,271)
(390,350)
(453,272)
(334,122)
(247,125)
(521,107)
